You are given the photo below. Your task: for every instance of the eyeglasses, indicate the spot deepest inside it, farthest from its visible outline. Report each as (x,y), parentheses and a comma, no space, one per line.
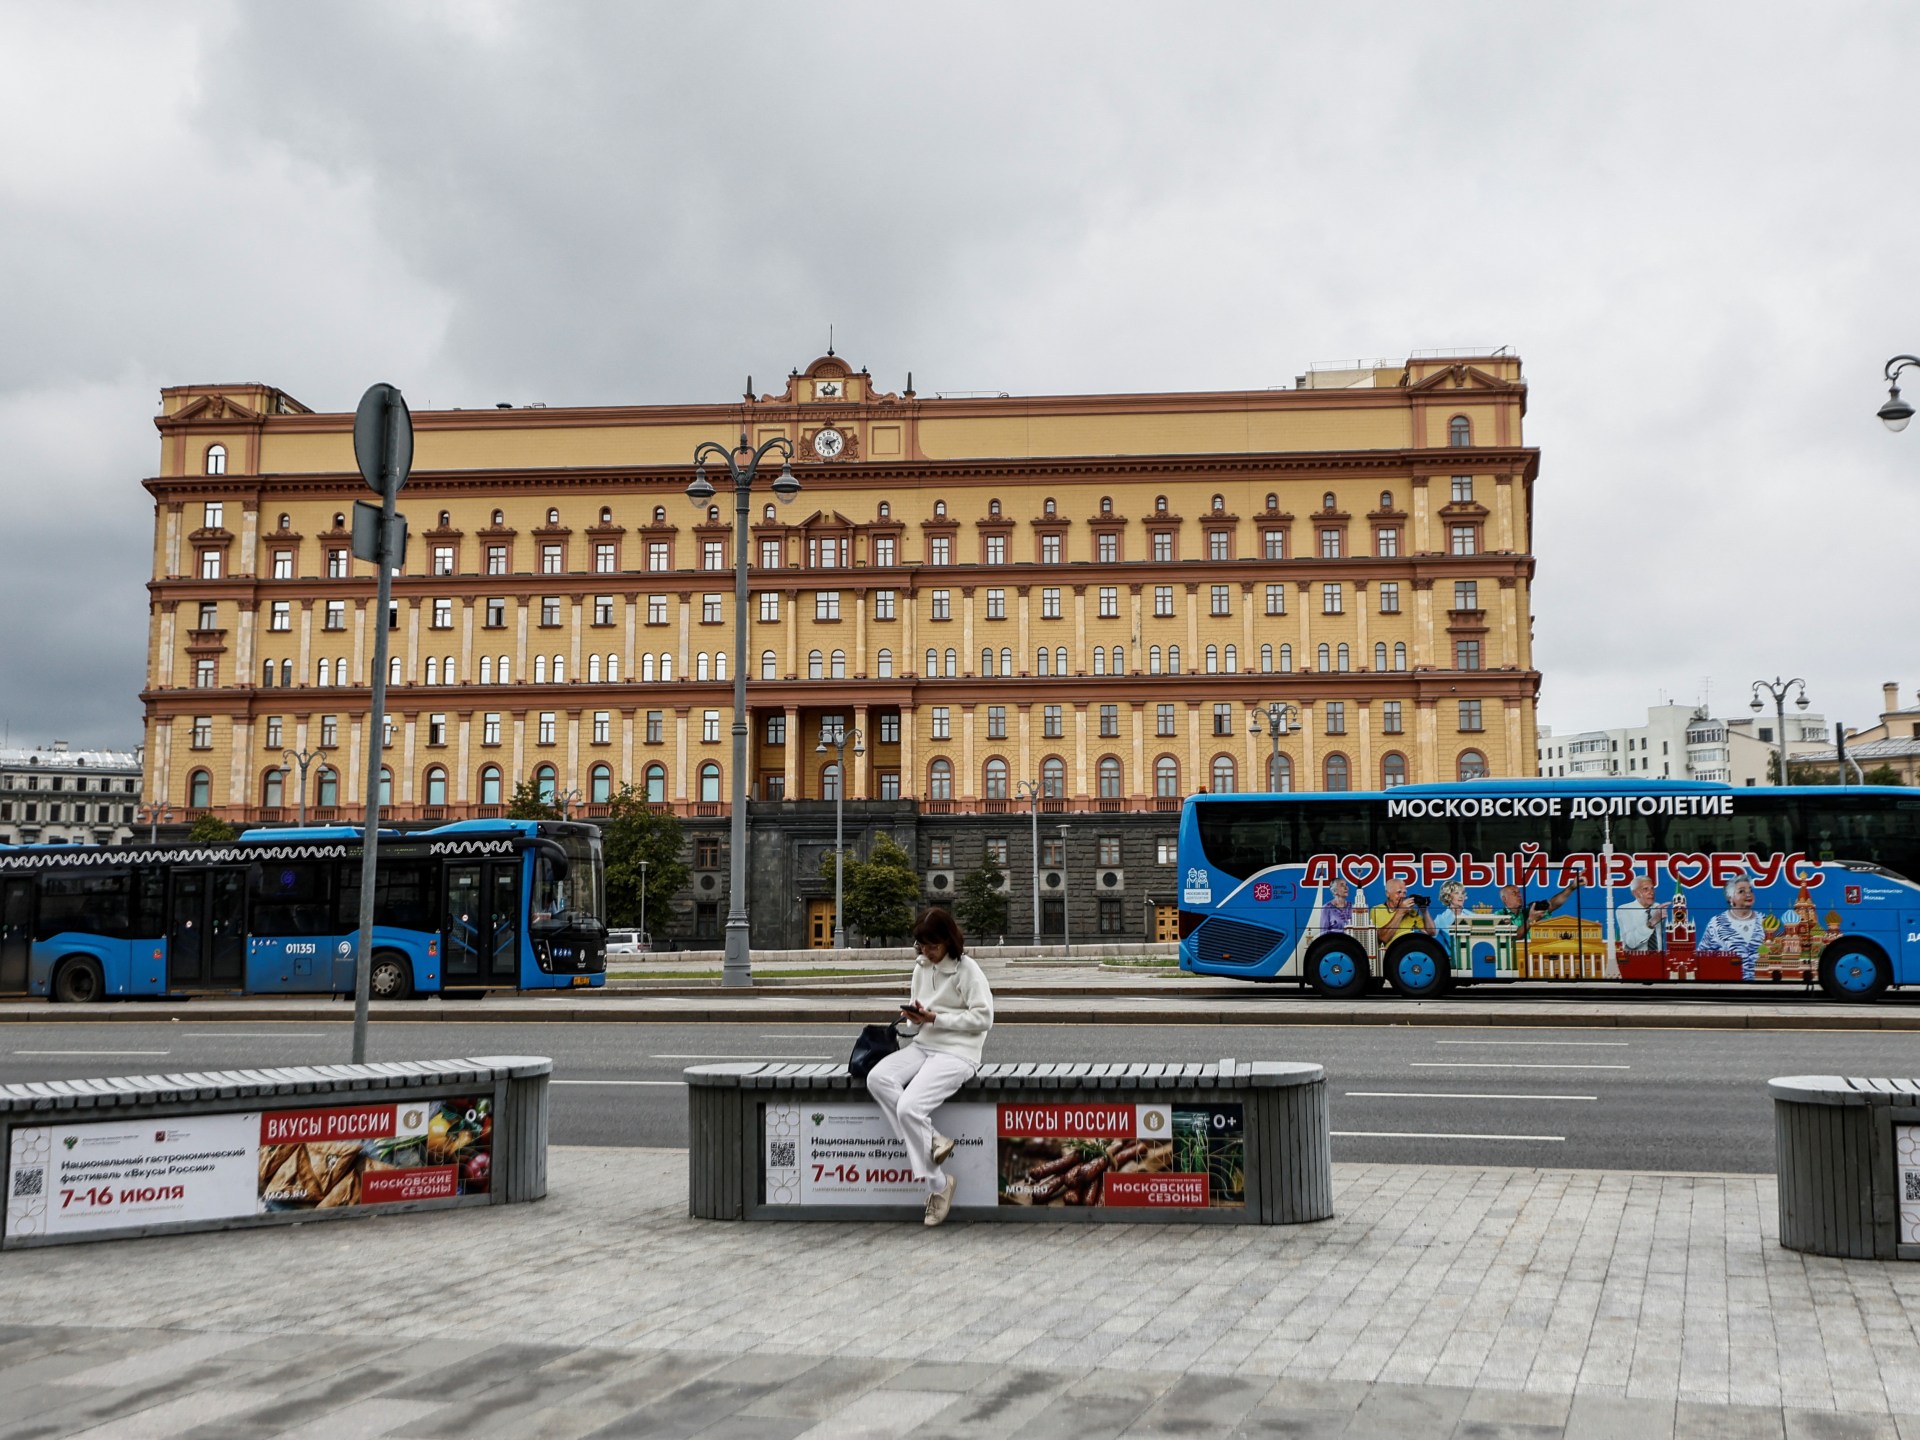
(929,944)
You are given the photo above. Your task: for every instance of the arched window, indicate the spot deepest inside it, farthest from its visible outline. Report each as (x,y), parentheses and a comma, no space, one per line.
(816,665)
(837,665)
(286,521)
(593,669)
(1159,504)
(659,515)
(1399,654)
(713,514)
(700,666)
(1106,504)
(883,663)
(830,780)
(606,515)
(340,520)
(1053,778)
(1233,659)
(490,785)
(710,782)
(1224,782)
(1112,778)
(553,516)
(613,669)
(1393,770)
(940,509)
(885,511)
(1173,659)
(273,789)
(1060,660)
(1047,507)
(953,662)
(933,663)
(1213,659)
(327,788)
(666,667)
(539,669)
(600,784)
(656,784)
(766,512)
(769,665)
(1219,504)
(1345,657)
(986,662)
(1337,774)
(505,670)
(436,786)
(1043,661)
(1153,660)
(1266,659)
(940,780)
(993,507)
(266,676)
(996,779)
(1279,774)
(1325,656)
(559,670)
(1380,655)
(216,459)
(1386,499)
(1327,501)
(1459,431)
(499,519)
(446,519)
(386,785)
(719,664)
(1273,501)
(323,673)
(1286,659)
(1006,660)
(546,783)
(1472,765)
(1099,659)
(286,674)
(646,668)
(1166,778)
(446,671)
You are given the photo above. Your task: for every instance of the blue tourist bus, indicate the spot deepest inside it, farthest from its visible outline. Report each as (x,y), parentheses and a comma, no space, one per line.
(468,907)
(1433,886)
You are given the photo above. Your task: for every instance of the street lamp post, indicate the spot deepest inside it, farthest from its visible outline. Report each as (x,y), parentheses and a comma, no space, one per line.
(1897,412)
(566,800)
(303,759)
(155,814)
(742,463)
(643,908)
(1779,689)
(837,741)
(1281,717)
(1066,929)
(1031,790)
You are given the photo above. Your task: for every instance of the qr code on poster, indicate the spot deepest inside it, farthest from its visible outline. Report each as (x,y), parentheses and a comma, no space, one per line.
(1910,1185)
(29,1183)
(784,1155)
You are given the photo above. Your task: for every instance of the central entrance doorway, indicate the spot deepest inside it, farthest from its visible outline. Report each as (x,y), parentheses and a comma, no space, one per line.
(481,942)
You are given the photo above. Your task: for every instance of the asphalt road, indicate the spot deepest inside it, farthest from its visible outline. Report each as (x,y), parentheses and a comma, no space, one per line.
(1590,1099)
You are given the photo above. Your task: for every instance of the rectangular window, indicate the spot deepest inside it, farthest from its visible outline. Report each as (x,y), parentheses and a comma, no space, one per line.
(549,610)
(776,730)
(883,550)
(603,609)
(490,728)
(941,603)
(546,728)
(1053,852)
(996,722)
(273,732)
(206,674)
(209,564)
(1163,545)
(1273,544)
(443,559)
(552,559)
(212,514)
(1163,601)
(436,730)
(497,612)
(706,852)
(1466,654)
(1112,916)
(442,613)
(1389,597)
(656,609)
(1276,599)
(329,730)
(1336,717)
(1166,851)
(1109,602)
(209,615)
(283,565)
(1463,489)
(769,605)
(496,559)
(1106,547)
(713,554)
(1330,544)
(336,564)
(656,726)
(203,732)
(994,852)
(942,723)
(1219,545)
(1163,720)
(889,784)
(1386,541)
(1051,725)
(769,554)
(1107,847)
(602,727)
(1109,722)
(281,616)
(996,550)
(939,854)
(1463,540)
(659,555)
(710,726)
(1222,600)
(940,550)
(883,604)
(1331,600)
(996,604)
(1049,549)
(1466,594)
(709,609)
(1223,718)
(1469,714)
(603,561)
(1050,602)
(890,728)
(1390,722)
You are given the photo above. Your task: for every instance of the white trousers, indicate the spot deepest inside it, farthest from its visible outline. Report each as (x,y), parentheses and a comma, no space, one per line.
(909,1085)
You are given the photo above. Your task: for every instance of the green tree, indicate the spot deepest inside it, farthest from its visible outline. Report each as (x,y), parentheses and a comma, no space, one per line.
(527,804)
(212,830)
(632,832)
(882,891)
(1802,773)
(980,905)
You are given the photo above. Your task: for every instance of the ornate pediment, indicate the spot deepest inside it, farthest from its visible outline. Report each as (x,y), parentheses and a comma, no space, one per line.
(216,409)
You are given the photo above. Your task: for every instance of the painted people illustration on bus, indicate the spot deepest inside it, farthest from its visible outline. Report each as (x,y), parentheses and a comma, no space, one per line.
(1738,930)
(1400,914)
(1640,925)
(1337,914)
(1453,904)
(1525,915)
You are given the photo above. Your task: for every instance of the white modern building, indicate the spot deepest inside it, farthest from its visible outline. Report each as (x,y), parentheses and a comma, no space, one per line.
(56,795)
(1679,742)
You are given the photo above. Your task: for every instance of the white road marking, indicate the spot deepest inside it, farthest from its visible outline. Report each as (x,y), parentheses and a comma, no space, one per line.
(617,1082)
(740,1057)
(1451,1095)
(1619,1044)
(91,1052)
(1433,1135)
(1504,1065)
(253,1034)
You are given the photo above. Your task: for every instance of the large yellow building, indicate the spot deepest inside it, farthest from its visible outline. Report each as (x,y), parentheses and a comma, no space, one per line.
(1086,592)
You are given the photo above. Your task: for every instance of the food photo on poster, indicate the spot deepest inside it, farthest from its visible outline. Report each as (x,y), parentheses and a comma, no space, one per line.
(1145,1156)
(373,1155)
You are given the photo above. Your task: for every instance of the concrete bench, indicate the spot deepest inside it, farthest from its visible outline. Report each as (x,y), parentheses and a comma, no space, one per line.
(158,1154)
(1227,1143)
(1848,1154)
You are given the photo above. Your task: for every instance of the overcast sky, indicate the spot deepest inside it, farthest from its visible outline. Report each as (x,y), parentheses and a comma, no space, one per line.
(1697,224)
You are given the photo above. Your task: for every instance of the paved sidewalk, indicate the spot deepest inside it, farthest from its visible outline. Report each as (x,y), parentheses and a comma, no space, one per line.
(1440,1301)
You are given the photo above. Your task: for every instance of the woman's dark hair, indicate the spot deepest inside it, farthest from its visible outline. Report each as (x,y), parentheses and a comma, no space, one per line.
(939,924)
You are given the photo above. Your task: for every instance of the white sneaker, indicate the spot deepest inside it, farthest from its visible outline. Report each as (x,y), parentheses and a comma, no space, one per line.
(940,1204)
(942,1148)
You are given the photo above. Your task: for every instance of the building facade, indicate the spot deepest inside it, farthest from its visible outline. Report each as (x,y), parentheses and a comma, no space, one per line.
(1894,742)
(1681,742)
(56,795)
(1082,593)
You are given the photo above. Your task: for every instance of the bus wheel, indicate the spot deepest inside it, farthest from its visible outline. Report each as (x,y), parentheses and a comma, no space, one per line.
(1339,972)
(391,978)
(1417,971)
(1853,972)
(77,982)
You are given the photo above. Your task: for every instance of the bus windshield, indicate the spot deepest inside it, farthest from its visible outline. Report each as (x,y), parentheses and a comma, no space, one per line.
(571,892)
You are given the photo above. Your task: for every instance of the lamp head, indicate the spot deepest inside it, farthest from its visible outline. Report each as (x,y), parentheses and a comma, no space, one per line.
(1802,701)
(1754,704)
(1896,412)
(701,490)
(821,748)
(786,487)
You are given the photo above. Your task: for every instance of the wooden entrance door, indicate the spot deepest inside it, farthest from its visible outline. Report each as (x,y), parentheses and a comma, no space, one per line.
(819,924)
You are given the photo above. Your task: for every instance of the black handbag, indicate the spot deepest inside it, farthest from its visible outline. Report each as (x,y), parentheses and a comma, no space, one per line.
(875,1043)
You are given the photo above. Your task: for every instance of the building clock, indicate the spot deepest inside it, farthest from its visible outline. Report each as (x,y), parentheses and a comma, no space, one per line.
(828,443)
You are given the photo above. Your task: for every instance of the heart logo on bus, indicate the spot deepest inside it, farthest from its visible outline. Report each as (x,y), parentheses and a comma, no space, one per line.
(1688,869)
(1360,871)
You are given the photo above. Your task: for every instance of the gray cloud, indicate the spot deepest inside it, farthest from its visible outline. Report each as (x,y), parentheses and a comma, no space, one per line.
(1696,233)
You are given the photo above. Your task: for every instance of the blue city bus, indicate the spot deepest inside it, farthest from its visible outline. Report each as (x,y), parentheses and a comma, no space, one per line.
(1429,887)
(469,907)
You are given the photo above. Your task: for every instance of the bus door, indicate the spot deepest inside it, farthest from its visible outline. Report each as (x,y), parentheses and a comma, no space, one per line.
(481,941)
(206,929)
(16,934)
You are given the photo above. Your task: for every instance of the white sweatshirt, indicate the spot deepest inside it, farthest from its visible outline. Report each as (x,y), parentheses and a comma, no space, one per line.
(956,991)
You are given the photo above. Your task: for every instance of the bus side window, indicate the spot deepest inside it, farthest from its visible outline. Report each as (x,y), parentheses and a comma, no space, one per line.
(290,898)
